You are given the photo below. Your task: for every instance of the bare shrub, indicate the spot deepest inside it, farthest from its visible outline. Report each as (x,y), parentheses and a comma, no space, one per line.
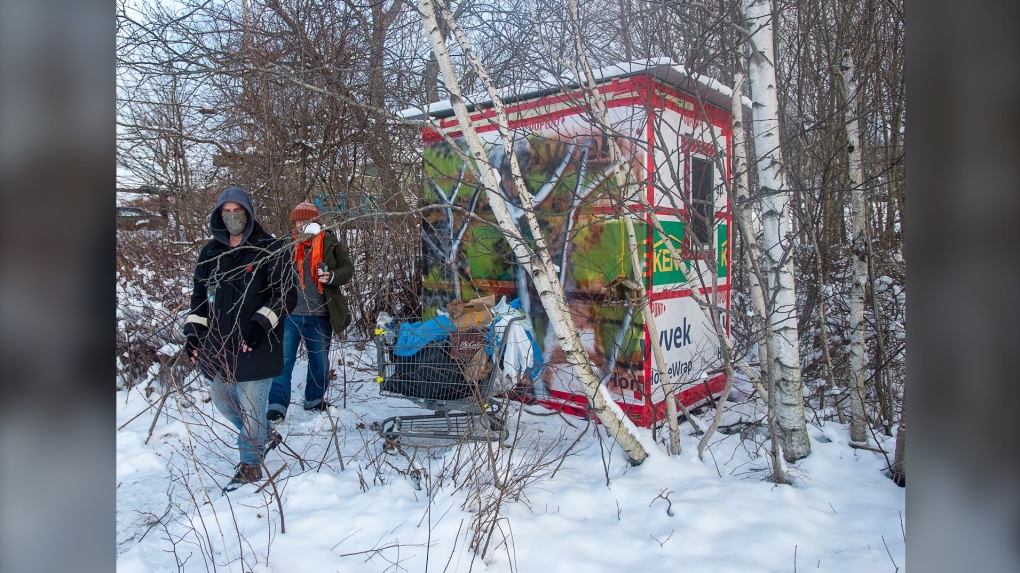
(153,288)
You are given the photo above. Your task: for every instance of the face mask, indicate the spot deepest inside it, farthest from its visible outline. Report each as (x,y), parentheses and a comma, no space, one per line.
(235,221)
(312,229)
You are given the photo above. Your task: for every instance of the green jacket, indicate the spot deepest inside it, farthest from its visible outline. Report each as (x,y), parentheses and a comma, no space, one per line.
(342,268)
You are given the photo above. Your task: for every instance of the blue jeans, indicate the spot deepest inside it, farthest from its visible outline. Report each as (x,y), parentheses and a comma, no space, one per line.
(243,404)
(317,332)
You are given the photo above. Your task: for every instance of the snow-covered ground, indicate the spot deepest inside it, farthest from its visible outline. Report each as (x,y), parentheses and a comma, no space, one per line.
(426,508)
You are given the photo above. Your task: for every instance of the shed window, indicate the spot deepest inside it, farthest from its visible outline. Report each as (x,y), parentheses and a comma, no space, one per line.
(702,207)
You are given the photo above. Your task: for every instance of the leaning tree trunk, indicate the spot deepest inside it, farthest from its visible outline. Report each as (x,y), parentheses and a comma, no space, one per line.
(537,262)
(859,253)
(624,178)
(778,239)
(625,181)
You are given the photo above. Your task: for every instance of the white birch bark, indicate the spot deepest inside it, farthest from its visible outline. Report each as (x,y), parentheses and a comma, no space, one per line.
(538,263)
(744,222)
(625,181)
(859,252)
(776,223)
(743,205)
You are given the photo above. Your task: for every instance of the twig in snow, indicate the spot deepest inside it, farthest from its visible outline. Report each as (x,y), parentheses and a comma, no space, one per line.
(663,542)
(138,415)
(155,418)
(454,548)
(664,495)
(276,493)
(377,550)
(271,478)
(868,447)
(890,554)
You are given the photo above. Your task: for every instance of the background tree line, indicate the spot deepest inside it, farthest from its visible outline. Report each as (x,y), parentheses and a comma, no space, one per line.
(295,100)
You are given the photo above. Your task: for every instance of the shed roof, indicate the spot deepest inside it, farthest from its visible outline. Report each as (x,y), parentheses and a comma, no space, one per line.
(664,69)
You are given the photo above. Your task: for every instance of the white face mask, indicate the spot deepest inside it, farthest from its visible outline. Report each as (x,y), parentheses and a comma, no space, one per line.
(312,229)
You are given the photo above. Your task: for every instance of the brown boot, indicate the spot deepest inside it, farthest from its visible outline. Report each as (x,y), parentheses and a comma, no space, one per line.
(245,474)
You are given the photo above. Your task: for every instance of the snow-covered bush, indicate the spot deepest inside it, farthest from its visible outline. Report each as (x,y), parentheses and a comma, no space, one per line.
(153,286)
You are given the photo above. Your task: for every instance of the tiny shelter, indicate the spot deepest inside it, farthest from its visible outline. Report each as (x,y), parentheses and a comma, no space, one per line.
(675,130)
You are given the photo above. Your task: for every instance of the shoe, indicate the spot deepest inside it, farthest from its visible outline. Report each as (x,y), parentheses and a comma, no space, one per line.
(320,407)
(275,439)
(273,416)
(245,474)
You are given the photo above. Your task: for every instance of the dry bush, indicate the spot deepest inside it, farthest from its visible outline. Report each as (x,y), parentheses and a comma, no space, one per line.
(386,252)
(153,289)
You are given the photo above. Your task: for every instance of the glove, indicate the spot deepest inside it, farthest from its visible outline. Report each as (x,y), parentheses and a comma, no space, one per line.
(192,344)
(253,335)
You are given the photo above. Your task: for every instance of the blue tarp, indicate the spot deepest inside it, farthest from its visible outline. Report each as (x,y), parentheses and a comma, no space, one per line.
(413,336)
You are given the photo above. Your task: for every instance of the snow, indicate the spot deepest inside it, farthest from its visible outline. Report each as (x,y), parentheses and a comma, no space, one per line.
(661,67)
(384,511)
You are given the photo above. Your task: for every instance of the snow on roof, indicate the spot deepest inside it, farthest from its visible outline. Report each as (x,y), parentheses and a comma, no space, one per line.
(664,69)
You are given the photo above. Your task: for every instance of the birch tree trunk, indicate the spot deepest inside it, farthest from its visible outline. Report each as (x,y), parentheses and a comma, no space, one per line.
(537,262)
(776,223)
(745,226)
(859,250)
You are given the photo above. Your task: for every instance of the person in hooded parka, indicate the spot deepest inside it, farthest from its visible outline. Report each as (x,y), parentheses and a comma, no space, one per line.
(235,326)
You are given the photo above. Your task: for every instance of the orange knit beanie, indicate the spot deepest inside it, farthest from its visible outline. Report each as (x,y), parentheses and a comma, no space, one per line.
(304,212)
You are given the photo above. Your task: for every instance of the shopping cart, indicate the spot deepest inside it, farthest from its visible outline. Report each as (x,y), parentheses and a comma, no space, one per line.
(455,378)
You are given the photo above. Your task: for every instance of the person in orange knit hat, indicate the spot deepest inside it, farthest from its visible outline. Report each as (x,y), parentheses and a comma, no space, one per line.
(322,265)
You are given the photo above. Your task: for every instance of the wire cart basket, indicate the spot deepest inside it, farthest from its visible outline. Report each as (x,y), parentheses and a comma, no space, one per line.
(455,378)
